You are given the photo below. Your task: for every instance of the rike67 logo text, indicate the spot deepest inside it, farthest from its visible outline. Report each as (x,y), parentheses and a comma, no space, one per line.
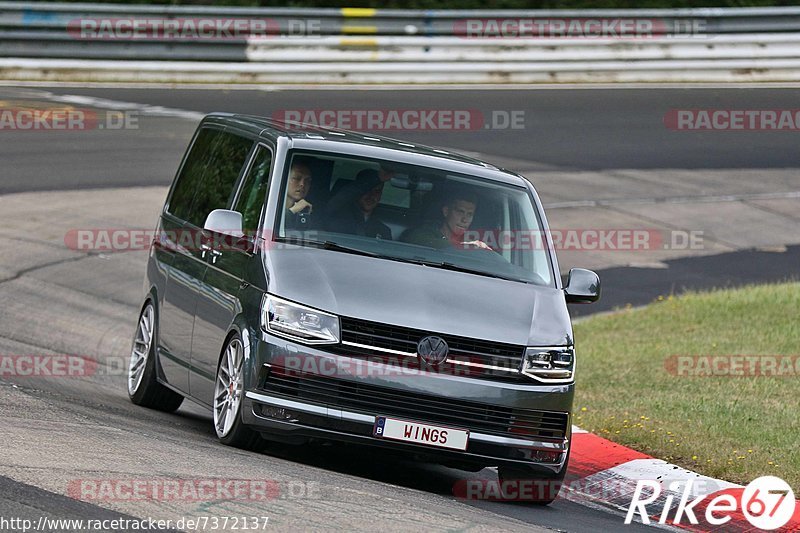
(767,503)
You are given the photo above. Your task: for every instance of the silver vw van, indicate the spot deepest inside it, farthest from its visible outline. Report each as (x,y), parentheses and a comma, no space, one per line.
(309,283)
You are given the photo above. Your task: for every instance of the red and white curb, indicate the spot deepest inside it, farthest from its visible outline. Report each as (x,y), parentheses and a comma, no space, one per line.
(607,473)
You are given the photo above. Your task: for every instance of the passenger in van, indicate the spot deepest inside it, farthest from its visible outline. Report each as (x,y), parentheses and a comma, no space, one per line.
(298,209)
(457,214)
(351,210)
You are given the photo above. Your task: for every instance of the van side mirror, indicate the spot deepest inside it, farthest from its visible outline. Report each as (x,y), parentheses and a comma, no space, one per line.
(225,222)
(229,223)
(583,286)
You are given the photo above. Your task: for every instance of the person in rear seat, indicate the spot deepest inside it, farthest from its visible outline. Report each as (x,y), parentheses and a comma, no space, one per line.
(298,209)
(351,210)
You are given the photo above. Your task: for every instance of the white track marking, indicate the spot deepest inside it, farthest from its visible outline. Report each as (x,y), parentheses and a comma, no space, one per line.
(117,105)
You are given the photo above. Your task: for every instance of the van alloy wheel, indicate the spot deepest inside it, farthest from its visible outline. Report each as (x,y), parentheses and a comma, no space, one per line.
(228,389)
(142,342)
(228,395)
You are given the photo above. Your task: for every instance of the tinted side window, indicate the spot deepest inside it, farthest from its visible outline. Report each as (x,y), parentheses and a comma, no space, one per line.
(188,182)
(217,184)
(254,189)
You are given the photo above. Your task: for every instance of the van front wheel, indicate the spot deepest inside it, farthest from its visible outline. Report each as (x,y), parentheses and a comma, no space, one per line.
(228,395)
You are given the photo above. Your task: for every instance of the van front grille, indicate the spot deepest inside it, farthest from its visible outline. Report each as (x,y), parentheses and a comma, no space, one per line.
(467,357)
(382,401)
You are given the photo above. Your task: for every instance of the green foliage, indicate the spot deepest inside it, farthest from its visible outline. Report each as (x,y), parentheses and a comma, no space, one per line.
(472,4)
(726,426)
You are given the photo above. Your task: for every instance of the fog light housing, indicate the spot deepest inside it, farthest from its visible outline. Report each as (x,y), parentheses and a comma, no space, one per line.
(545,456)
(278,413)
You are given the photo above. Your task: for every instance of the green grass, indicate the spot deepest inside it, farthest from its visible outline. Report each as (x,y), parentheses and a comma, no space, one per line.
(733,428)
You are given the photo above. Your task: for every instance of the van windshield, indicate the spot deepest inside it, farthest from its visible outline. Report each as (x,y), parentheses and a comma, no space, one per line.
(412,214)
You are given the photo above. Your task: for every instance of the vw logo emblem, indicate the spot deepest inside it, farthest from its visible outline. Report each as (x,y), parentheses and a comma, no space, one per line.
(433,350)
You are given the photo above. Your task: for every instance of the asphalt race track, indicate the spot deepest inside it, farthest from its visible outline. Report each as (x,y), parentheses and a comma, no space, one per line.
(580,129)
(600,158)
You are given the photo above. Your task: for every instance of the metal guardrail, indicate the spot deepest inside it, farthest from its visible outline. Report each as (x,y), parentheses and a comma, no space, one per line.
(102,71)
(54,17)
(407,49)
(373,46)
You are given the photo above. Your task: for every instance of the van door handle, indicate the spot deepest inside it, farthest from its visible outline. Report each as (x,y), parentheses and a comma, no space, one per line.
(209,249)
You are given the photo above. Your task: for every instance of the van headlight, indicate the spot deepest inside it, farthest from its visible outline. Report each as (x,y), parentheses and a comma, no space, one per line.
(551,365)
(298,322)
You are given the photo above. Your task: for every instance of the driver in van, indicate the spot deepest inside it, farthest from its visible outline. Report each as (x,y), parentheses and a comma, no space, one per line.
(457,214)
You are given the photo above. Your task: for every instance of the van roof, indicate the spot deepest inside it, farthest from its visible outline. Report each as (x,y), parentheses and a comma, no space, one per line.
(303,131)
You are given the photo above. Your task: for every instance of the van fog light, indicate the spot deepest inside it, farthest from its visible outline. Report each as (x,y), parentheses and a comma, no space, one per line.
(542,456)
(278,413)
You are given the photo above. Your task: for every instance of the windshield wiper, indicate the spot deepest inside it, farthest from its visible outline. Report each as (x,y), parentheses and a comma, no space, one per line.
(458,268)
(327,245)
(331,245)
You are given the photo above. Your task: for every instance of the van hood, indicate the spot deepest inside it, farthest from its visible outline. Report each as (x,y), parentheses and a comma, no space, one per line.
(419,297)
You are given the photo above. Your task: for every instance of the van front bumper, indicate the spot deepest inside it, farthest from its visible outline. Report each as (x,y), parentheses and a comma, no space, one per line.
(276,414)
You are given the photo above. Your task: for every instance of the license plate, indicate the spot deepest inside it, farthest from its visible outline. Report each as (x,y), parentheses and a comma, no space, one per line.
(419,433)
